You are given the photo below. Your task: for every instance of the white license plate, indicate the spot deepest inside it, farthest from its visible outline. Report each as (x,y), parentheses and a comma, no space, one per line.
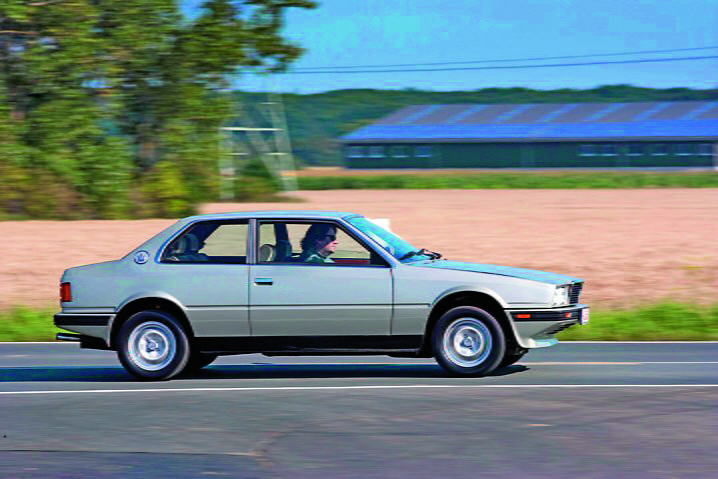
(584,316)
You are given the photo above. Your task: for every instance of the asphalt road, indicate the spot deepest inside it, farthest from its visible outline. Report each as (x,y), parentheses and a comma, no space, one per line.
(578,410)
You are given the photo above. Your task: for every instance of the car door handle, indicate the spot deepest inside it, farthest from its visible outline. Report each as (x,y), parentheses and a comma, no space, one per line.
(267,281)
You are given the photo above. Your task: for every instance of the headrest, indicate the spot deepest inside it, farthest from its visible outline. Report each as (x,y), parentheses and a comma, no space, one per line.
(191,242)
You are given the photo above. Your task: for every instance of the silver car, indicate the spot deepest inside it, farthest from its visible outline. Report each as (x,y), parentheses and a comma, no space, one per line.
(307,283)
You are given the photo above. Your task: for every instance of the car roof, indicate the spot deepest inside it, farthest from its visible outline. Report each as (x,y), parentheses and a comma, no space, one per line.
(292,214)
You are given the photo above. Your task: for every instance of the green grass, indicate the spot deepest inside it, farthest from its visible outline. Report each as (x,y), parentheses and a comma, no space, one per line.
(666,321)
(25,324)
(517,180)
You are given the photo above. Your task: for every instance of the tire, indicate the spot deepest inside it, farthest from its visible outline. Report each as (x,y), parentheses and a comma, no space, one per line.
(510,359)
(152,346)
(198,361)
(468,341)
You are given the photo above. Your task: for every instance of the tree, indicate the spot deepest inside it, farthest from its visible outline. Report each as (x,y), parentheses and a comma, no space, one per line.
(99,92)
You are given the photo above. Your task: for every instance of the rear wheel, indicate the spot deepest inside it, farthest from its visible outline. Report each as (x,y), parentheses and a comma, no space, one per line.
(152,346)
(468,341)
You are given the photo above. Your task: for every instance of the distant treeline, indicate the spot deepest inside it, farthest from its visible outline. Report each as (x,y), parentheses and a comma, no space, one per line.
(316,121)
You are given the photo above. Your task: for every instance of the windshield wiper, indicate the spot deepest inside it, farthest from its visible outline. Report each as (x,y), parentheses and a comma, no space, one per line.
(422,251)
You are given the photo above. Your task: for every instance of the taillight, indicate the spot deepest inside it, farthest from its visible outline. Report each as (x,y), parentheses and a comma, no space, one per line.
(65,292)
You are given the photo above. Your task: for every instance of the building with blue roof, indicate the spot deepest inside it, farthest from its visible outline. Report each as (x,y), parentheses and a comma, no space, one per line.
(678,134)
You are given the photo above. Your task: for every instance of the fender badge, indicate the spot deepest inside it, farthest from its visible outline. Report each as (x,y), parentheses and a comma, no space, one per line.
(141,257)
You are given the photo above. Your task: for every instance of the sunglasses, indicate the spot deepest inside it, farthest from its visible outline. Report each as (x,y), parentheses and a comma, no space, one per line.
(331,237)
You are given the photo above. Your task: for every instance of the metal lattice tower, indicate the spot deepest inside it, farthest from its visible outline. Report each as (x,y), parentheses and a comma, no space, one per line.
(259,131)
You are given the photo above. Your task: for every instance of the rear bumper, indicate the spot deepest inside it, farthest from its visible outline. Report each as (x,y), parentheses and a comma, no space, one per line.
(62,320)
(537,328)
(94,329)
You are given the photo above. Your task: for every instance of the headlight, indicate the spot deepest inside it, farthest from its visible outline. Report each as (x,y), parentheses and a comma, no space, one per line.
(560,296)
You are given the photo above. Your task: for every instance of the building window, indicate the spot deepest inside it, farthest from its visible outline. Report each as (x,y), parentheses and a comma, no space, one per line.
(399,152)
(422,151)
(635,150)
(659,150)
(355,152)
(705,149)
(609,150)
(376,151)
(587,150)
(684,149)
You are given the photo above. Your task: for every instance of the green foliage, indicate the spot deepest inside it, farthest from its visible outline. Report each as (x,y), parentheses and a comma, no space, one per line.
(518,180)
(163,193)
(667,321)
(98,99)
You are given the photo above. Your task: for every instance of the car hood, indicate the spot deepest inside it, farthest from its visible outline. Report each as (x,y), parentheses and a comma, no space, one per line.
(530,274)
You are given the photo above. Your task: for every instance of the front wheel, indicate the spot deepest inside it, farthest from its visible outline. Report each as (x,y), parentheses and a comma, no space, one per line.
(468,341)
(152,346)
(510,359)
(198,361)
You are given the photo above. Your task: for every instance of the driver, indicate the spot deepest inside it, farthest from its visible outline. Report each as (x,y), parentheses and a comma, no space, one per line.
(319,242)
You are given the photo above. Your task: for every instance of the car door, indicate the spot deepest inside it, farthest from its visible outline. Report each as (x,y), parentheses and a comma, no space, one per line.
(293,293)
(205,268)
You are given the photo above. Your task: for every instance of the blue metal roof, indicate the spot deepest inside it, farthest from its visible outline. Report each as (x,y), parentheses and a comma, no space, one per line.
(556,131)
(689,120)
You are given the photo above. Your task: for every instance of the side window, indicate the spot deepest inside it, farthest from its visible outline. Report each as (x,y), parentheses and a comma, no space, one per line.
(210,242)
(312,243)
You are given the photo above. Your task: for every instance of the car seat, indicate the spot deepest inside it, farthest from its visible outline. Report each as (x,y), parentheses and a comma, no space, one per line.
(266,253)
(283,251)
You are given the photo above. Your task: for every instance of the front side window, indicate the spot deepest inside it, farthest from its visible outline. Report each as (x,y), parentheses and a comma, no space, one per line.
(320,243)
(210,242)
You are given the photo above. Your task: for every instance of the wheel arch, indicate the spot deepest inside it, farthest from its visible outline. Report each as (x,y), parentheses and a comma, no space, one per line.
(479,299)
(145,303)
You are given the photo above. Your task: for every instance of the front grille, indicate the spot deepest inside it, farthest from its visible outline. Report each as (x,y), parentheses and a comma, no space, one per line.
(575,293)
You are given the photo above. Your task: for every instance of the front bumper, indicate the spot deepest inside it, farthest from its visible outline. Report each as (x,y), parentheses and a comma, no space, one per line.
(536,328)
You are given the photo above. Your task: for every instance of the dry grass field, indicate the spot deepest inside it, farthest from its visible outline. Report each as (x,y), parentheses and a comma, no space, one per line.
(631,246)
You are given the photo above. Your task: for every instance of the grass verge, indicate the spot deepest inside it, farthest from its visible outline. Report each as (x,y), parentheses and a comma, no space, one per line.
(532,180)
(665,321)
(25,324)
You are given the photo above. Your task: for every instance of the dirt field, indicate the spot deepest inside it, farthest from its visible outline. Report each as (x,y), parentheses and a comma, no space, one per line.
(631,246)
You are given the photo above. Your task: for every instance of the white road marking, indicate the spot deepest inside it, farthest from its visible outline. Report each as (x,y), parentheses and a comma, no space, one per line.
(368,387)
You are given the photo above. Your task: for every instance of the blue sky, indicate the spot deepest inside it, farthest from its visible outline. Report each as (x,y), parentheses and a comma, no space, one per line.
(383,32)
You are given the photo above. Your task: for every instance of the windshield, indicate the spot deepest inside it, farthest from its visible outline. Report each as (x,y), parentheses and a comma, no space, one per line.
(391,243)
